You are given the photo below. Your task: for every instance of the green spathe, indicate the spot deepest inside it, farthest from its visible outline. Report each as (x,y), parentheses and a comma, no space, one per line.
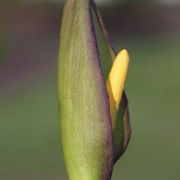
(90,145)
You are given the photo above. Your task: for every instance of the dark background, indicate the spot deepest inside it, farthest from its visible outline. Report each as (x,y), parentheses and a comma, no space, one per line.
(29,124)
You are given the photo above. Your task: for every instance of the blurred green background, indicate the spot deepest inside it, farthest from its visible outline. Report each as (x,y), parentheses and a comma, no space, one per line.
(29,125)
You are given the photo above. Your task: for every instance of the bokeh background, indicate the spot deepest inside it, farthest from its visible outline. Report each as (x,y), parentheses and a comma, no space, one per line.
(29,125)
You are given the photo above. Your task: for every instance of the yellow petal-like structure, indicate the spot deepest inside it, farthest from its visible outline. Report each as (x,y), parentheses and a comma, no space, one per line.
(116,81)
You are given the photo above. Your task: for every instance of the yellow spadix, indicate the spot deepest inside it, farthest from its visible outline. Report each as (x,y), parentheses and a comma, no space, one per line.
(116,81)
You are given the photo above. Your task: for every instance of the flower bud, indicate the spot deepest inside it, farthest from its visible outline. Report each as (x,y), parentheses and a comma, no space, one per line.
(93,133)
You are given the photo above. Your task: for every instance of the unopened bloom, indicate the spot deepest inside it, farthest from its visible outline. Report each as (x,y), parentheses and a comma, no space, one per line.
(94,115)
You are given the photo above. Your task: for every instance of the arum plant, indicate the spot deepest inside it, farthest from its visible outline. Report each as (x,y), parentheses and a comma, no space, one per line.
(94,115)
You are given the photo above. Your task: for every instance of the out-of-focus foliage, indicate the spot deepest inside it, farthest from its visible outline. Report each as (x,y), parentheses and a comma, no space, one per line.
(100,2)
(29,138)
(3,45)
(29,118)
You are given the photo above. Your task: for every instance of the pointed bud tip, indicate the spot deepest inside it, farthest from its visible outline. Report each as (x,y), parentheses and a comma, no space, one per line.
(123,55)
